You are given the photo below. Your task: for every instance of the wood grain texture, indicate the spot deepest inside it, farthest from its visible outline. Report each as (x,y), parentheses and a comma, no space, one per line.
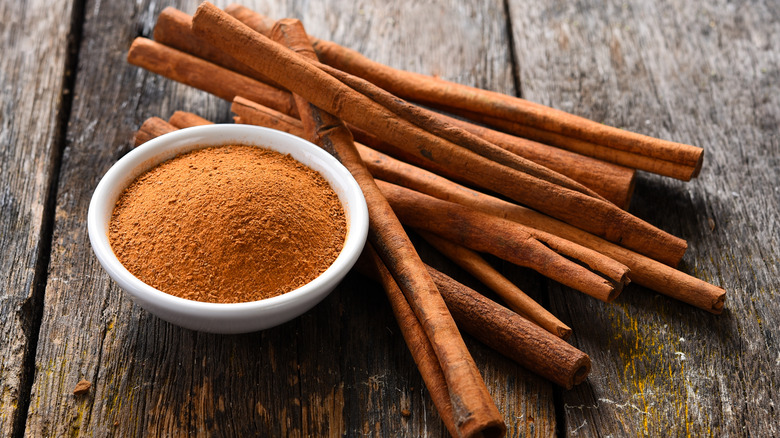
(704,73)
(340,369)
(33,43)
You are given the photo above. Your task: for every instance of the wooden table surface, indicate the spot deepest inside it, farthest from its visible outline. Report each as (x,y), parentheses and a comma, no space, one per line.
(705,73)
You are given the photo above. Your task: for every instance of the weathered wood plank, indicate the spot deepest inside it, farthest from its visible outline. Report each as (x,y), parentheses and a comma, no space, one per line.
(706,73)
(340,369)
(33,43)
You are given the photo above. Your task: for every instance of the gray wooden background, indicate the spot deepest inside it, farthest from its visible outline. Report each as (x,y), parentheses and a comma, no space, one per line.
(705,73)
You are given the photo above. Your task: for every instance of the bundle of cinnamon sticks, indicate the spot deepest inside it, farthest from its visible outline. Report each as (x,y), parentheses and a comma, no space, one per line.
(569,180)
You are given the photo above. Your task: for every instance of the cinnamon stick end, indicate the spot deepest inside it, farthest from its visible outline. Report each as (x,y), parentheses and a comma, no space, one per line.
(135,46)
(184,119)
(614,294)
(492,429)
(564,332)
(718,302)
(674,255)
(629,192)
(580,373)
(606,290)
(165,20)
(617,288)
(153,127)
(698,166)
(497,431)
(204,9)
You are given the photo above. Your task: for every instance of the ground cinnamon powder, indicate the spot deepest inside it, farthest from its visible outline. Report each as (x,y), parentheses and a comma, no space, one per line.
(228,224)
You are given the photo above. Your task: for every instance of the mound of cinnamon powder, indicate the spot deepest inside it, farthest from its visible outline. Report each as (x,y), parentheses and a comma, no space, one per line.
(228,224)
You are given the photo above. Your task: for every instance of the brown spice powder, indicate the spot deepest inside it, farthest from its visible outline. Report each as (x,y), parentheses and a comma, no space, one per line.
(228,224)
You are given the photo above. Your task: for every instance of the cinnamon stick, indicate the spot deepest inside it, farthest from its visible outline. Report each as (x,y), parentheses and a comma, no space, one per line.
(416,340)
(475,412)
(451,96)
(683,172)
(151,128)
(206,76)
(508,240)
(512,335)
(183,119)
(517,300)
(305,78)
(643,270)
(253,113)
(612,181)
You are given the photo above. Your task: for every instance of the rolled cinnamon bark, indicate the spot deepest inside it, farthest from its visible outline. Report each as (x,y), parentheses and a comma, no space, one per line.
(672,169)
(371,265)
(206,76)
(151,128)
(517,300)
(183,119)
(258,22)
(512,335)
(614,182)
(253,113)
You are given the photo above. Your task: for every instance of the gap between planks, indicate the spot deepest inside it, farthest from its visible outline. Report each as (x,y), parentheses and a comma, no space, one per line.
(516,83)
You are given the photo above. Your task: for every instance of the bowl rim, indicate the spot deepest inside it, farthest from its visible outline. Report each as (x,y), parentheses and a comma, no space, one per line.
(185,140)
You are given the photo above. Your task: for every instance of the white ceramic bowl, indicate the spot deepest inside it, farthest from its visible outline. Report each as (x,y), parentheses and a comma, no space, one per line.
(233,317)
